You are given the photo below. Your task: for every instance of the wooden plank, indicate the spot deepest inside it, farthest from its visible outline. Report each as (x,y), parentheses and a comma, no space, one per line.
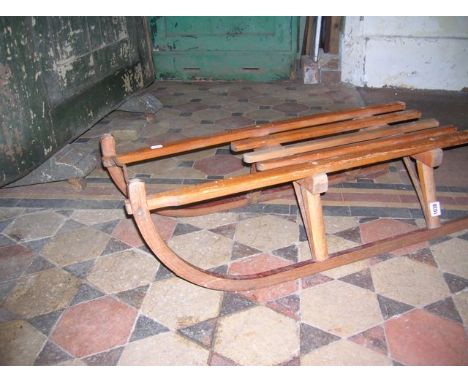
(332,38)
(324,130)
(342,139)
(380,143)
(190,144)
(310,27)
(219,188)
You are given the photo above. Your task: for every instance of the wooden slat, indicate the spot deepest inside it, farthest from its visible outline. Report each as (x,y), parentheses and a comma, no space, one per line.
(324,130)
(342,139)
(375,144)
(191,144)
(211,190)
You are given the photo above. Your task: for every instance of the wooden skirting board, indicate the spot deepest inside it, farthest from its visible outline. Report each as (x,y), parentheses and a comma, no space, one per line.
(307,153)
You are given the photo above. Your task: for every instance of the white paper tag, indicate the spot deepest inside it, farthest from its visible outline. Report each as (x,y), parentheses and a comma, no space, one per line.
(434,207)
(156,147)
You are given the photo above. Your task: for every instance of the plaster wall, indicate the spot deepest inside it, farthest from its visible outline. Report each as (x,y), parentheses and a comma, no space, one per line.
(411,52)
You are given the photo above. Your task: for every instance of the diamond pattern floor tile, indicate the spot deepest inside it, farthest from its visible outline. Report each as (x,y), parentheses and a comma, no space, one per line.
(354,309)
(344,353)
(166,349)
(218,165)
(42,293)
(176,303)
(421,338)
(14,260)
(93,327)
(123,271)
(267,232)
(383,228)
(82,244)
(95,216)
(452,256)
(204,249)
(408,281)
(113,303)
(275,336)
(34,226)
(21,343)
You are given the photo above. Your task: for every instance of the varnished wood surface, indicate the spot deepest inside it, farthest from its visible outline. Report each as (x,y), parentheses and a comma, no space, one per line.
(191,144)
(306,169)
(324,130)
(375,144)
(214,189)
(115,172)
(338,140)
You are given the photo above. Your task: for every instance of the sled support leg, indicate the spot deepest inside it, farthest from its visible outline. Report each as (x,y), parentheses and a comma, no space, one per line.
(425,163)
(308,192)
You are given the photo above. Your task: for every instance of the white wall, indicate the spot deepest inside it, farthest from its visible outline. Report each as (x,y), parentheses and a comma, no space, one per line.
(412,52)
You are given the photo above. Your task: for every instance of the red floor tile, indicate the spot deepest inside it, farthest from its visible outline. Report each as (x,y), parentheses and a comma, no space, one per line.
(94,327)
(421,338)
(218,165)
(383,228)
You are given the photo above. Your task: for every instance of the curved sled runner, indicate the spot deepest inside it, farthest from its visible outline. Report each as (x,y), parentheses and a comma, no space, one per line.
(353,139)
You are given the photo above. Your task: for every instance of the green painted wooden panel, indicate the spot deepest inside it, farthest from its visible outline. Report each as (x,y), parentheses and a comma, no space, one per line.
(224,48)
(60,75)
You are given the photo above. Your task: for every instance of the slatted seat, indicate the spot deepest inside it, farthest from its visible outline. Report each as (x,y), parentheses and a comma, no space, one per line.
(302,152)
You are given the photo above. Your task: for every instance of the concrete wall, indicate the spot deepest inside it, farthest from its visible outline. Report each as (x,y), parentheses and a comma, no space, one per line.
(412,52)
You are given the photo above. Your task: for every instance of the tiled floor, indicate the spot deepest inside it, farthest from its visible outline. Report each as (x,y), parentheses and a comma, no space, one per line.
(79,287)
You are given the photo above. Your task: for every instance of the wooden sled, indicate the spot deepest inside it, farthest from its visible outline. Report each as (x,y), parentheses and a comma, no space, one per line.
(340,142)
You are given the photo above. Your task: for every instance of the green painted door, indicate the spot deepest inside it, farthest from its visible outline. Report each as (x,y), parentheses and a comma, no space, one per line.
(59,76)
(224,48)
